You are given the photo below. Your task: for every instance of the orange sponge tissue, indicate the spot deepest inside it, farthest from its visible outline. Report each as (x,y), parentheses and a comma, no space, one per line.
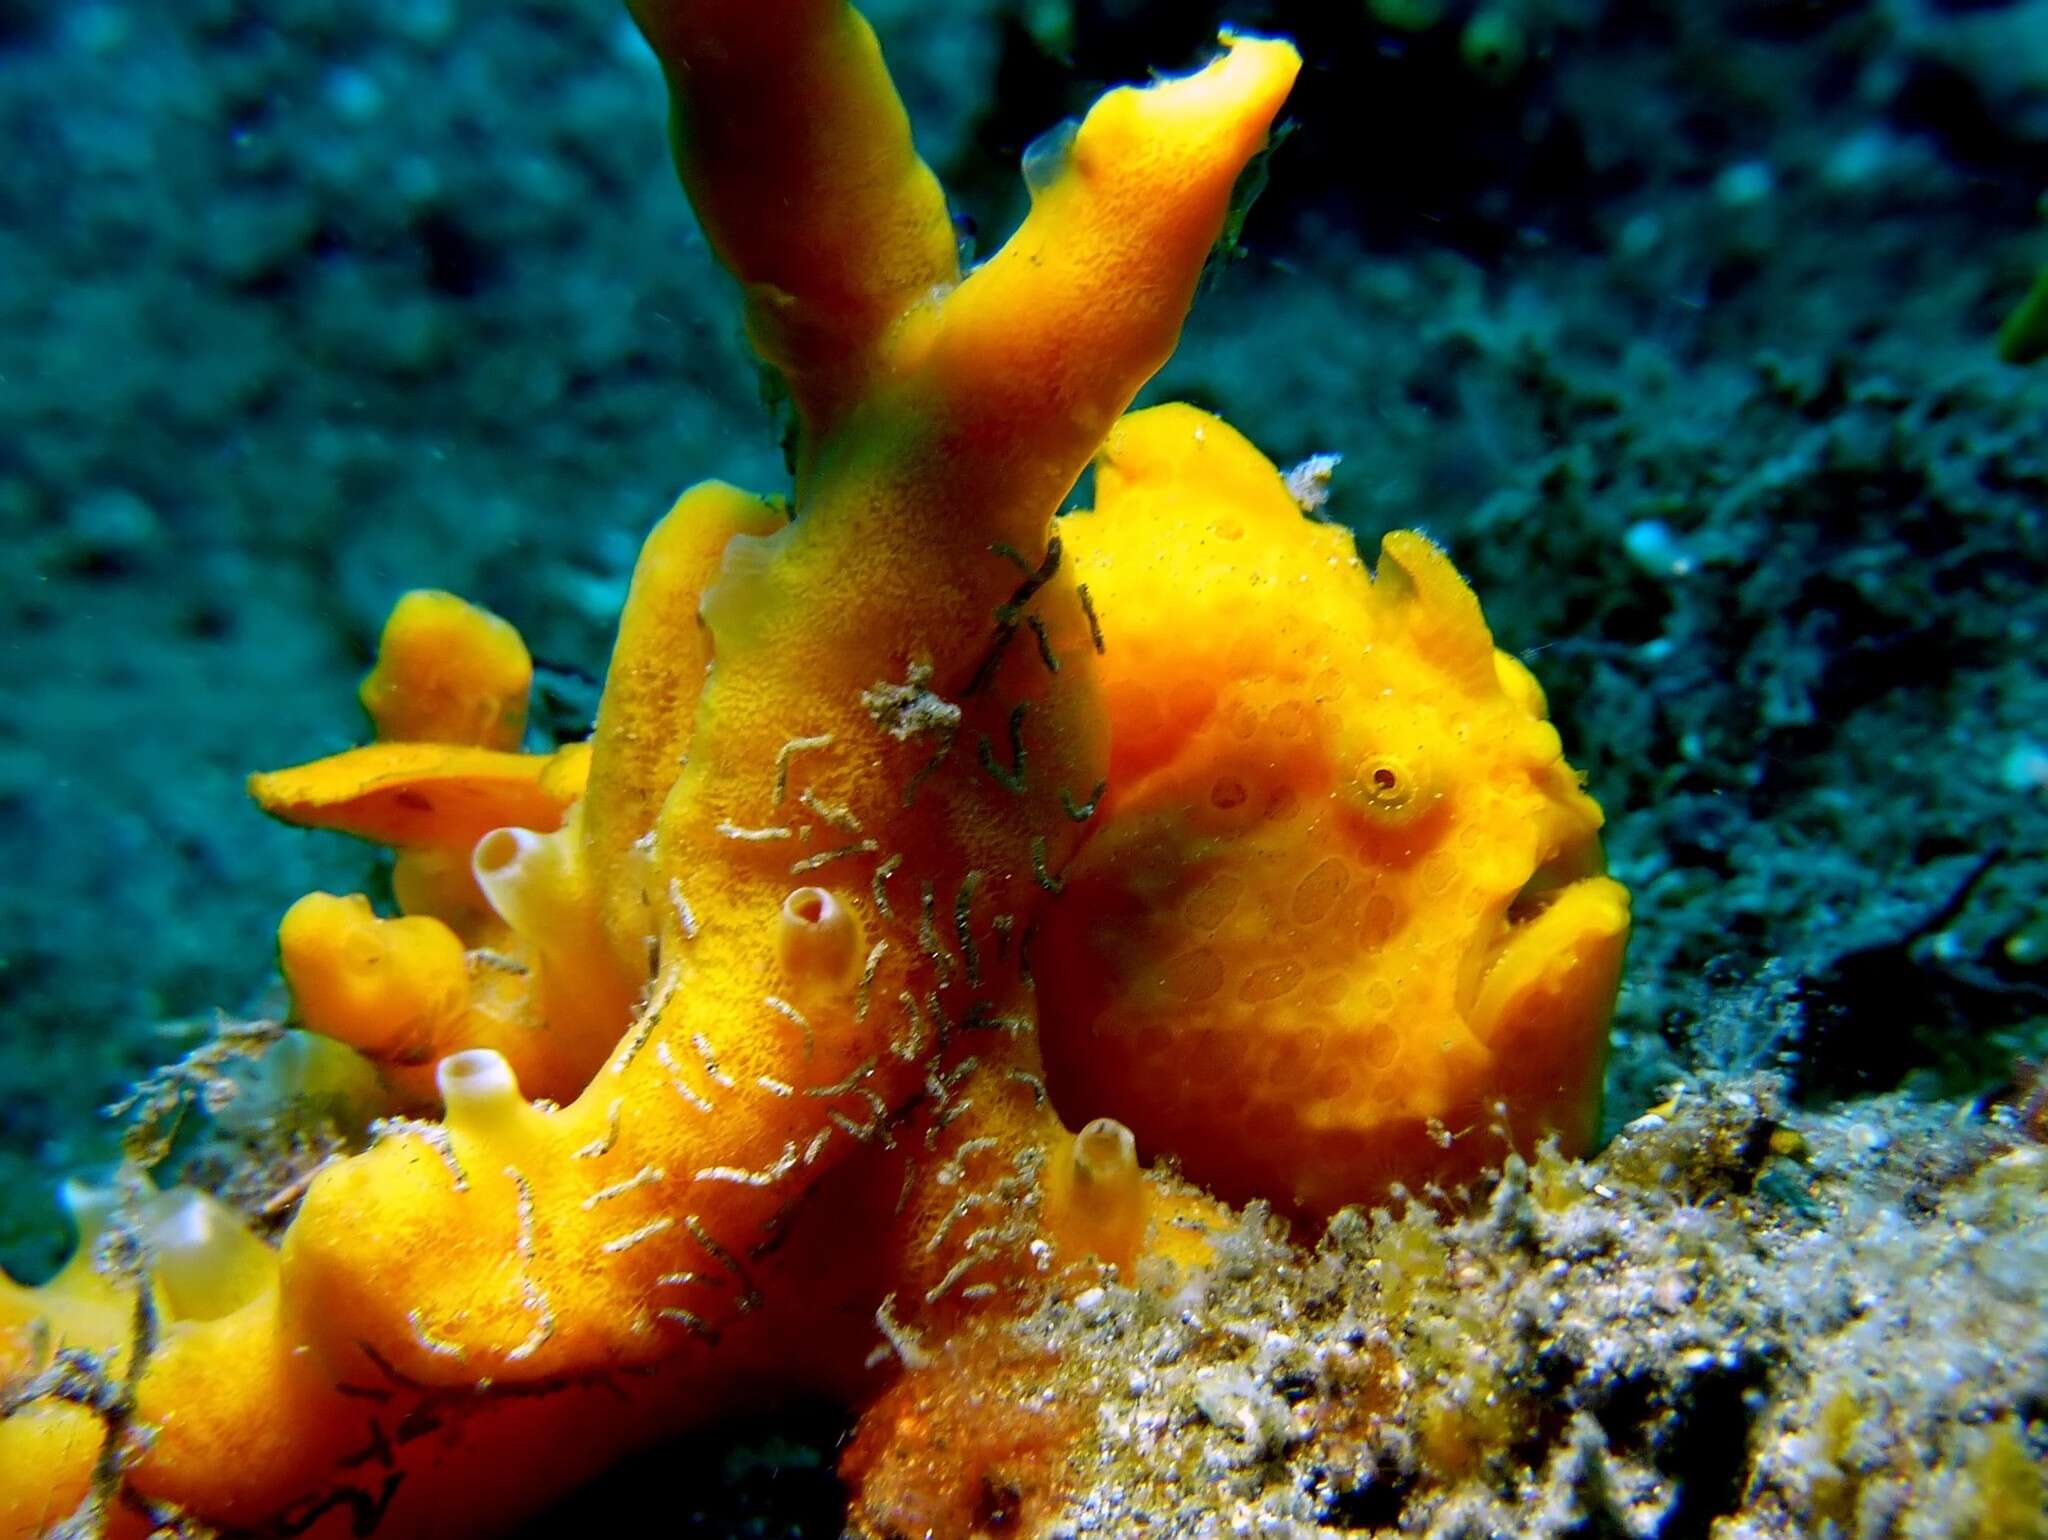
(736,1054)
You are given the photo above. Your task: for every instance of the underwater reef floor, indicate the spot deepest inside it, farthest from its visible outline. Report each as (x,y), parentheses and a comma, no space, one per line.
(1740,1319)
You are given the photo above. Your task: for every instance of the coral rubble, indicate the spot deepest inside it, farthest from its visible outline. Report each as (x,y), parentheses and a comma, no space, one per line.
(1739,1319)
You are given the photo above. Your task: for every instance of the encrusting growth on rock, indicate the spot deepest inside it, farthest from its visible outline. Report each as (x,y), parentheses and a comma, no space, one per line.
(727,1055)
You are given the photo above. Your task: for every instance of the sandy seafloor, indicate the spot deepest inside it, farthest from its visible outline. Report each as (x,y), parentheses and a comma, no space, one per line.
(1677,332)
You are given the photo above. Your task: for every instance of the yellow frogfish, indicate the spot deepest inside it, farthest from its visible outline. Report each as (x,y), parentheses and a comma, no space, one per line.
(942,876)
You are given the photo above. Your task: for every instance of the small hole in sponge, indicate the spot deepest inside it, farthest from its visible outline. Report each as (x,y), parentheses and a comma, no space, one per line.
(470,1066)
(819,939)
(477,1087)
(474,1072)
(1105,1150)
(497,850)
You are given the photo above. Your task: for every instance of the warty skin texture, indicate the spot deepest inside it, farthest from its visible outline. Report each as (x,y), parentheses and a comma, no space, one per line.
(773,947)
